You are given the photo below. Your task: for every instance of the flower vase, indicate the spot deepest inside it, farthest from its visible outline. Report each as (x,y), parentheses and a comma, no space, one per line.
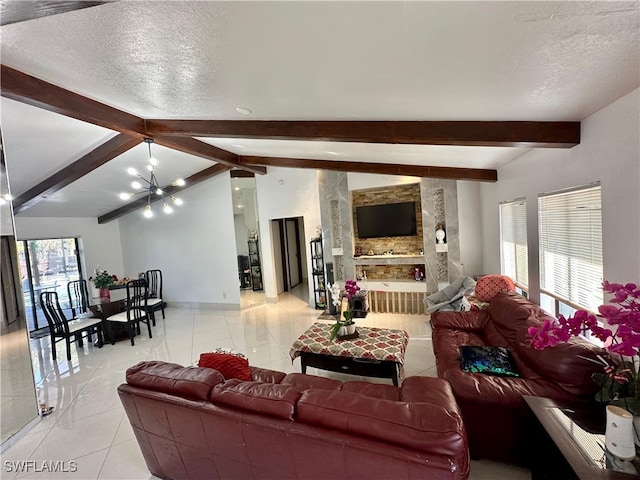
(619,433)
(105,295)
(351,329)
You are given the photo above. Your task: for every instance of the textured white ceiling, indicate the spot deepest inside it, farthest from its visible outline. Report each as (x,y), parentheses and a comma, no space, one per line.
(294,60)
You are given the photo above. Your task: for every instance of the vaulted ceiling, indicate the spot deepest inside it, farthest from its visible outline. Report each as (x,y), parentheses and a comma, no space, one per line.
(434,89)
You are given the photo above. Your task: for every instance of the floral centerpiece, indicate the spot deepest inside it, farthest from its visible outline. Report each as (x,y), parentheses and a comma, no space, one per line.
(350,288)
(619,382)
(103,279)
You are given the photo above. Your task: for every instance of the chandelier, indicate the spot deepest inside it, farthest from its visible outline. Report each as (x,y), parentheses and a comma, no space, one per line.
(151,188)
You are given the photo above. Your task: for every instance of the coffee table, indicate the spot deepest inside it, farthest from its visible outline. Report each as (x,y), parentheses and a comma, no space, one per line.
(377,352)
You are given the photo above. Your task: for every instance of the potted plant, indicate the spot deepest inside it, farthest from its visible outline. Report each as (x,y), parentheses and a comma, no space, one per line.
(102,281)
(618,327)
(345,326)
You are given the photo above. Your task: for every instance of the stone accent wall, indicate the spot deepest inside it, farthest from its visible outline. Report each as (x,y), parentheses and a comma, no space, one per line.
(386,272)
(378,196)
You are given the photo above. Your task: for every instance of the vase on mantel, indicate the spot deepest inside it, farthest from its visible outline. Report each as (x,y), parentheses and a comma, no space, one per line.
(105,295)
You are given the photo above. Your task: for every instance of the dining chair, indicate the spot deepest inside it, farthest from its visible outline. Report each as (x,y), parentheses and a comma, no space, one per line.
(70,330)
(78,294)
(154,281)
(136,309)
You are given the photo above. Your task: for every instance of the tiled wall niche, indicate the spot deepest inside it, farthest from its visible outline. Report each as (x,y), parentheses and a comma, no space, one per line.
(378,196)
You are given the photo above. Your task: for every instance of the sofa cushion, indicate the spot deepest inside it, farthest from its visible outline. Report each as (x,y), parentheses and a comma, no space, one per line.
(228,364)
(374,390)
(266,398)
(488,360)
(188,382)
(509,312)
(303,381)
(488,286)
(565,364)
(423,426)
(265,375)
(473,320)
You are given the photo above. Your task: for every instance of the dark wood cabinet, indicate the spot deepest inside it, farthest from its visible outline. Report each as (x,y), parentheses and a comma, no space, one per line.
(254,264)
(318,274)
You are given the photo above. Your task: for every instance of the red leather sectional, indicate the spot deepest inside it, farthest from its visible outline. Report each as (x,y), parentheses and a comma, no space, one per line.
(497,419)
(192,424)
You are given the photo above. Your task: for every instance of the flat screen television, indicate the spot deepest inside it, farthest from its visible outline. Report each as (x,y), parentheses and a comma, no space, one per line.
(387,220)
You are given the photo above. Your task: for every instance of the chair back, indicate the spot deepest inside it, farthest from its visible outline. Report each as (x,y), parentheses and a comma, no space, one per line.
(78,296)
(53,313)
(154,283)
(136,298)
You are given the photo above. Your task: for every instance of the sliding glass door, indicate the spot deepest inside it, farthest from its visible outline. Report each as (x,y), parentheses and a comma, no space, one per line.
(46,265)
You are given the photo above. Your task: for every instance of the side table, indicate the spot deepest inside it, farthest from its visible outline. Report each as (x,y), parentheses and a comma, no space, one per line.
(569,443)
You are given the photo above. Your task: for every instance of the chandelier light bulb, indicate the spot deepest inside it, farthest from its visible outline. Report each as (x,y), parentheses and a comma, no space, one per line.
(136,185)
(132,171)
(148,213)
(2,200)
(167,208)
(159,191)
(150,167)
(125,196)
(177,201)
(153,161)
(179,183)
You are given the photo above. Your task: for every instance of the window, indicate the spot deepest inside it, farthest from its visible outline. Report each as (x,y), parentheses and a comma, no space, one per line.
(513,238)
(570,226)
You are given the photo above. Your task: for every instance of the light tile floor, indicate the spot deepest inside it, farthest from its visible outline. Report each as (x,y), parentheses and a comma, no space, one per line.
(89,426)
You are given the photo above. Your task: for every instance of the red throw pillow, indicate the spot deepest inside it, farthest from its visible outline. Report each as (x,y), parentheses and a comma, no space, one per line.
(490,285)
(229,365)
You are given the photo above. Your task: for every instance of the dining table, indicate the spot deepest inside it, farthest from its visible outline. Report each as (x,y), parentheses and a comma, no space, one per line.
(105,307)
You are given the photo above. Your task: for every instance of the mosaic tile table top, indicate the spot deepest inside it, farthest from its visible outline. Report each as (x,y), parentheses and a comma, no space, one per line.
(382,344)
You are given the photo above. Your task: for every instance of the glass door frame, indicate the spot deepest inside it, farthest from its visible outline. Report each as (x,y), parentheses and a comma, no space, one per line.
(31,288)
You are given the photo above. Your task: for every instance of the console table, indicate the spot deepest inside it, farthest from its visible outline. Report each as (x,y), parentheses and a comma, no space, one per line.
(569,443)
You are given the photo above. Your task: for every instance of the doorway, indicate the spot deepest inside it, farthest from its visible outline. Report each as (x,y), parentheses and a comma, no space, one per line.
(46,266)
(245,219)
(290,254)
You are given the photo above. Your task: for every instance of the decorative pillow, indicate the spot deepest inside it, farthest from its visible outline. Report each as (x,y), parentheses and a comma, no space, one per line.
(488,360)
(489,285)
(230,365)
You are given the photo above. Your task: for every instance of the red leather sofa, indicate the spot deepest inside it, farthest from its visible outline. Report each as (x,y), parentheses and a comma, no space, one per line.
(496,417)
(191,423)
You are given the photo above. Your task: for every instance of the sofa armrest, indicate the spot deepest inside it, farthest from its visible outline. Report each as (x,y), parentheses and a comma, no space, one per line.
(473,320)
(187,382)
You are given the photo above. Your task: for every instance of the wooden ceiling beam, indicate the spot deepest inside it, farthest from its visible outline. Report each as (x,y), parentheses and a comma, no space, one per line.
(490,134)
(201,176)
(78,169)
(204,150)
(24,88)
(452,173)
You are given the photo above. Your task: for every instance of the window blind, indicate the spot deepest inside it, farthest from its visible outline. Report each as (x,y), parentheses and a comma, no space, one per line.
(513,236)
(570,229)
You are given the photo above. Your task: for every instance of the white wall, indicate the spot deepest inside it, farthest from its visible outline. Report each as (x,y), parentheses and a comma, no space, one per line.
(99,244)
(194,247)
(6,224)
(609,152)
(284,193)
(470,225)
